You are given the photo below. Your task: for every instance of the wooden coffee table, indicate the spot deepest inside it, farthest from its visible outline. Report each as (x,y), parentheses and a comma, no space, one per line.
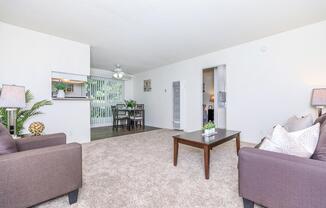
(196,139)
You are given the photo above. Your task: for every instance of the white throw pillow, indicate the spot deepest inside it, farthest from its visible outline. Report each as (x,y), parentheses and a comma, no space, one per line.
(270,146)
(300,143)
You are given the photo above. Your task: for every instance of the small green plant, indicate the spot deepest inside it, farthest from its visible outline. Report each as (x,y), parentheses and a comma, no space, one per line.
(209,125)
(60,86)
(130,103)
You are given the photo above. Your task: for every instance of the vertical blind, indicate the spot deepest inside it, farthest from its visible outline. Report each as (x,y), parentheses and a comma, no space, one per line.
(104,93)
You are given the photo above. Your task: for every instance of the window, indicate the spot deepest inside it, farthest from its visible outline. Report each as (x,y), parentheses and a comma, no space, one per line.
(104,93)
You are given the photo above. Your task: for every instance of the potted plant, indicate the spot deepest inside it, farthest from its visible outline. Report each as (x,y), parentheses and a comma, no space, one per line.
(209,128)
(60,87)
(130,104)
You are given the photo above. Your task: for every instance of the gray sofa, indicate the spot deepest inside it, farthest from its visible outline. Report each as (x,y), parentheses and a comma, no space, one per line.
(276,180)
(44,167)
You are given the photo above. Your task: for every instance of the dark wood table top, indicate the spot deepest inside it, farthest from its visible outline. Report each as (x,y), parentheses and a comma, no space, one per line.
(129,109)
(197,136)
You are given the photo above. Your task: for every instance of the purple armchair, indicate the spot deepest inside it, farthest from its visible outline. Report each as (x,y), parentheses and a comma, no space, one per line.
(44,167)
(276,180)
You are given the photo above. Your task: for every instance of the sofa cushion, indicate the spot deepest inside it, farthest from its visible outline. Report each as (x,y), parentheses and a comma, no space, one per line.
(321,119)
(300,143)
(320,152)
(7,143)
(295,124)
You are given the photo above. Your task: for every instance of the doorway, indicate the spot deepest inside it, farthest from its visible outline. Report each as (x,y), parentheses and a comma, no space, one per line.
(214,96)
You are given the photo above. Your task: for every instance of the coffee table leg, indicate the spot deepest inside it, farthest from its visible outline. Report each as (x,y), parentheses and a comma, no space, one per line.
(175,155)
(238,143)
(206,161)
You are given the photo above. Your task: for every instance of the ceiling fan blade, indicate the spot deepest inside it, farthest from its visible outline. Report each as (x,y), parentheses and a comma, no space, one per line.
(128,76)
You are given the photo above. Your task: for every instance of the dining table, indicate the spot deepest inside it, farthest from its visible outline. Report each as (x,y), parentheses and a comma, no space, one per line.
(130,111)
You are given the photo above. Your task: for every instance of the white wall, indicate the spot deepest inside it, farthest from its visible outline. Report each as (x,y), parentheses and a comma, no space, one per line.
(268,80)
(28,57)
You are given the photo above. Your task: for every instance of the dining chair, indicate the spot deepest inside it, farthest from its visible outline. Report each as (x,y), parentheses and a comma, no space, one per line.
(113,110)
(137,116)
(121,113)
(139,106)
(120,106)
(118,118)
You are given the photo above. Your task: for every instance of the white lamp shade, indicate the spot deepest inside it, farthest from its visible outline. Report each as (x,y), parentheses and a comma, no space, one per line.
(118,75)
(12,96)
(121,74)
(318,97)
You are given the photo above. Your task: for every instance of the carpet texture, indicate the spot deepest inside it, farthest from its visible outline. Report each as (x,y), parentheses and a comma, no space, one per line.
(137,171)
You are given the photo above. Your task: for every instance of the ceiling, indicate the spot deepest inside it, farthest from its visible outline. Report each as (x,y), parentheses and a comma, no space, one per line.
(144,34)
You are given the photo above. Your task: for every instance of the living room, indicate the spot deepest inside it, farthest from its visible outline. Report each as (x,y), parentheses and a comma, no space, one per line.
(274,58)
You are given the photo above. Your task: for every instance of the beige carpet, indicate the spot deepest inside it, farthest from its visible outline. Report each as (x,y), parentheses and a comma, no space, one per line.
(137,171)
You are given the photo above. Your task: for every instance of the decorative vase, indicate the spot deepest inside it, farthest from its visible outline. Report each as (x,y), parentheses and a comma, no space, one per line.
(36,128)
(61,94)
(206,138)
(207,131)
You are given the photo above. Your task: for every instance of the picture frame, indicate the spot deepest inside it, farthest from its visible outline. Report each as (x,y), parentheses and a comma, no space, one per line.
(147,85)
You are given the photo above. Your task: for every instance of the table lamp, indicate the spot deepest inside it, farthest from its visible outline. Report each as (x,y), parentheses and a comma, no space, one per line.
(318,99)
(212,98)
(11,98)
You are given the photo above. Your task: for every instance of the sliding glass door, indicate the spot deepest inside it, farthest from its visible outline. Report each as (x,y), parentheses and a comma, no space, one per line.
(104,93)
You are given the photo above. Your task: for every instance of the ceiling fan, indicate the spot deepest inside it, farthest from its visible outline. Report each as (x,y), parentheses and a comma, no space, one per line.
(119,74)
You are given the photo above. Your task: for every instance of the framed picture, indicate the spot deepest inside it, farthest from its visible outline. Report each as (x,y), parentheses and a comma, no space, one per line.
(147,85)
